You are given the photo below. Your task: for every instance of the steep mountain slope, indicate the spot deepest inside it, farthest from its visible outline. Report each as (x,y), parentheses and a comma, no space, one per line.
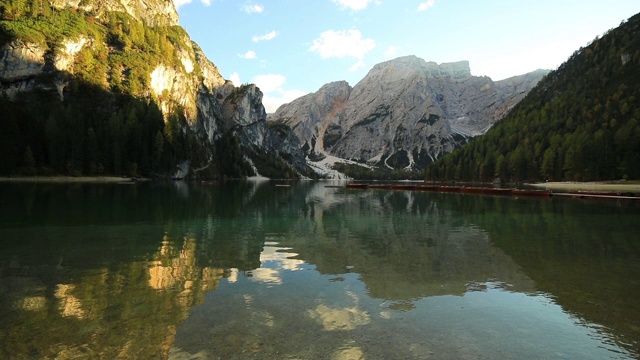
(581,122)
(118,87)
(405,113)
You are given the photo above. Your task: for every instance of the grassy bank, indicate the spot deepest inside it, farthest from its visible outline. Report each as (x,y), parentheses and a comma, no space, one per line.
(614,186)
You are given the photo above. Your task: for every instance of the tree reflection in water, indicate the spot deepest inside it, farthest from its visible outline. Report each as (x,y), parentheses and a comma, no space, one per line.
(250,270)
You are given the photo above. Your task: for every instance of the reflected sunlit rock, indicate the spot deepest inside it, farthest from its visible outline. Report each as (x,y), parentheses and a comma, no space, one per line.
(351,353)
(69,304)
(339,319)
(33,303)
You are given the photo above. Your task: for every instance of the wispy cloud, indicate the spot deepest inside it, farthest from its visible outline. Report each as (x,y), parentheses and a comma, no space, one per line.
(269,82)
(179,3)
(274,94)
(235,78)
(248,55)
(265,37)
(426,5)
(355,5)
(253,8)
(344,43)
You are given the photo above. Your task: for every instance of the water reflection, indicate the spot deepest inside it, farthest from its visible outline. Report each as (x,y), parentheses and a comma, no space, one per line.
(125,309)
(250,270)
(340,319)
(404,245)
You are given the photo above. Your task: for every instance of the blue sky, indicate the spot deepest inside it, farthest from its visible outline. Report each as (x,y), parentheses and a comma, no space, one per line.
(293,47)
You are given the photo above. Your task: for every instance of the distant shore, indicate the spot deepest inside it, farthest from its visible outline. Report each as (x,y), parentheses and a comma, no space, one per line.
(614,186)
(67,179)
(618,186)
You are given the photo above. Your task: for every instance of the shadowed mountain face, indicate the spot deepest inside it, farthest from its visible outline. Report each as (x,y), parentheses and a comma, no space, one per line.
(405,113)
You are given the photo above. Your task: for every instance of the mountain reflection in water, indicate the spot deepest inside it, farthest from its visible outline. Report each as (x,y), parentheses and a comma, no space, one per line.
(250,270)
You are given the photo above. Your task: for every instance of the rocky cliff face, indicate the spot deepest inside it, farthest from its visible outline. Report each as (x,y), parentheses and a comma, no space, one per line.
(404,114)
(180,80)
(23,64)
(315,114)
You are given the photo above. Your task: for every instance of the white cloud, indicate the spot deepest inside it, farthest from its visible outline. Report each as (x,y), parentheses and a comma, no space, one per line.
(248,55)
(274,94)
(235,78)
(355,5)
(272,102)
(253,9)
(426,5)
(269,82)
(499,66)
(265,37)
(179,3)
(345,43)
(392,50)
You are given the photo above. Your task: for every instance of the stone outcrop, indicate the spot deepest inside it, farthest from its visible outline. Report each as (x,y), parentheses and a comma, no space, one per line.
(405,113)
(20,60)
(23,63)
(244,114)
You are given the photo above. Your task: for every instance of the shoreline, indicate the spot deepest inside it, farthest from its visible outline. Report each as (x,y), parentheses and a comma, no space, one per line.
(67,179)
(589,186)
(613,186)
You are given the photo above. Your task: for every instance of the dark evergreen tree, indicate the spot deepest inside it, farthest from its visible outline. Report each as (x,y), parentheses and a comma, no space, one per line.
(581,122)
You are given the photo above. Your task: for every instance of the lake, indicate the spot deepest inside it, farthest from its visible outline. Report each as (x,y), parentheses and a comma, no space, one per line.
(257,270)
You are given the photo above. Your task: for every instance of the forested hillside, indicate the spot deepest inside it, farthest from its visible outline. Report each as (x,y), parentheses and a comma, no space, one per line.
(581,122)
(106,123)
(107,89)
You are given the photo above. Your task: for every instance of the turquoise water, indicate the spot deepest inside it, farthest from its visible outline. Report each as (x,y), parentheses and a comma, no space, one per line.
(251,270)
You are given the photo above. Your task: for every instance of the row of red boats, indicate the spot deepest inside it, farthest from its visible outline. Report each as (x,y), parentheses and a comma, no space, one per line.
(493,191)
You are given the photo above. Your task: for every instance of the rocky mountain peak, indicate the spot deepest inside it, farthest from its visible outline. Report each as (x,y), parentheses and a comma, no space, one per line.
(406,66)
(335,87)
(404,113)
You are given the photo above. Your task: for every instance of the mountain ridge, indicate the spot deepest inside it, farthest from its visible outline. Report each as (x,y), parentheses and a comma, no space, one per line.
(405,113)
